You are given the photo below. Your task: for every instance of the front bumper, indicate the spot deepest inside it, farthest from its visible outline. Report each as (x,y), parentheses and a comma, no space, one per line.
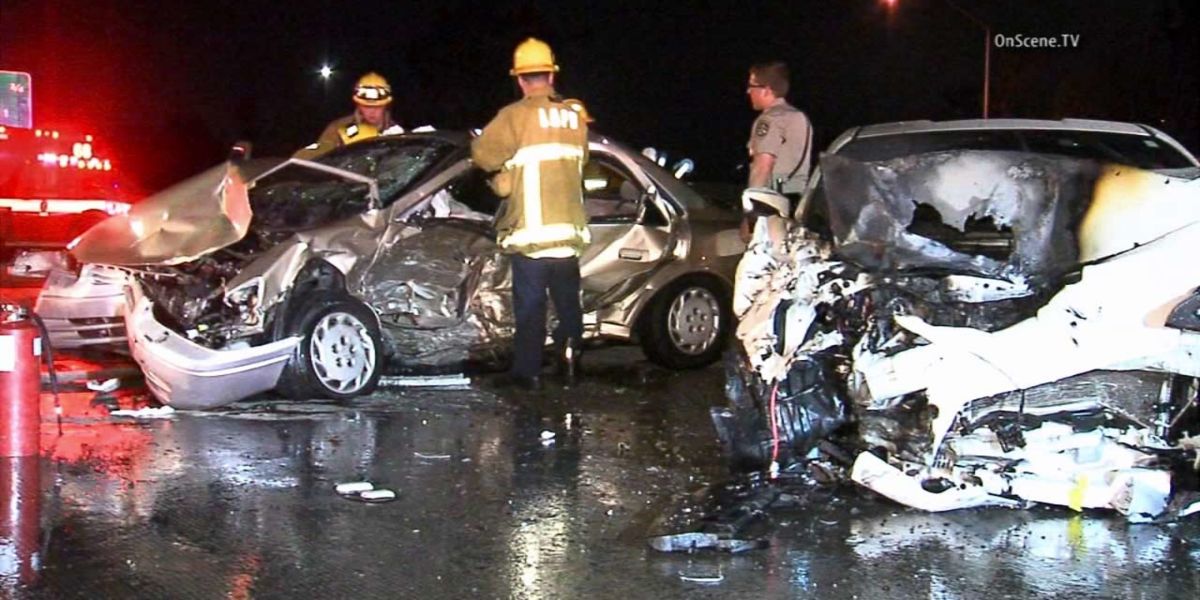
(186,375)
(84,311)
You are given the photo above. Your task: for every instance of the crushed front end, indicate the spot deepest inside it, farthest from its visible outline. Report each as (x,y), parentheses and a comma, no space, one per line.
(978,328)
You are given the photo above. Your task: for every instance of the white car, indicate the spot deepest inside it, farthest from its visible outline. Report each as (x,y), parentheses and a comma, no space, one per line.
(988,312)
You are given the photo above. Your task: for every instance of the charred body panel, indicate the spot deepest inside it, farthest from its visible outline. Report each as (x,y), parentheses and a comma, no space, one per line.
(1002,215)
(1032,361)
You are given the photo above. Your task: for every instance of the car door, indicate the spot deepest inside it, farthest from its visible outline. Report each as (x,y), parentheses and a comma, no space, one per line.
(631,234)
(433,252)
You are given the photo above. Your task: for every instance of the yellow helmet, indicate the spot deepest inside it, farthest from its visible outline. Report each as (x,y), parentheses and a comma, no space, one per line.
(372,90)
(533,56)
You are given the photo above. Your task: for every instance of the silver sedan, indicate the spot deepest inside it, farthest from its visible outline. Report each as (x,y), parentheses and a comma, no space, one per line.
(312,277)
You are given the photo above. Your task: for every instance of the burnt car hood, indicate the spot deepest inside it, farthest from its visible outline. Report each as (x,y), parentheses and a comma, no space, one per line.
(1012,210)
(179,224)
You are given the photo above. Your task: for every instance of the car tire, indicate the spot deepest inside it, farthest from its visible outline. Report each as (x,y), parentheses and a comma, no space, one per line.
(341,353)
(687,323)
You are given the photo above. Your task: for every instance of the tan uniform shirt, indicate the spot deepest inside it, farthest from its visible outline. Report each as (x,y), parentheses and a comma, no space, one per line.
(784,132)
(539,145)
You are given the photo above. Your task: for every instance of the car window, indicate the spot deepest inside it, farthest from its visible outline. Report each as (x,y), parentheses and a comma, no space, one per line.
(466,196)
(297,197)
(1137,150)
(395,163)
(886,147)
(680,191)
(609,194)
(1140,151)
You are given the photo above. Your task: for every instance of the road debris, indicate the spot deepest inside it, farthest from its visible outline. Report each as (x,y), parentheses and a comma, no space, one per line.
(707,579)
(733,519)
(447,381)
(161,412)
(104,386)
(355,487)
(364,491)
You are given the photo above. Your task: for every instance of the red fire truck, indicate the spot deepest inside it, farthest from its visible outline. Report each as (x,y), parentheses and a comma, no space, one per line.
(55,183)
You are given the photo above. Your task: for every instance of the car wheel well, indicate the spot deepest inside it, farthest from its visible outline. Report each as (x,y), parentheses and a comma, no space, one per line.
(315,281)
(318,275)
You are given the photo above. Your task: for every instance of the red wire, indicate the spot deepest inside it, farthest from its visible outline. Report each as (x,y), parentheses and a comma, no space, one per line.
(774,425)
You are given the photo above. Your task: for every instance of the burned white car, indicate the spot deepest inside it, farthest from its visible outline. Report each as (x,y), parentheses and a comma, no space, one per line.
(979,313)
(315,276)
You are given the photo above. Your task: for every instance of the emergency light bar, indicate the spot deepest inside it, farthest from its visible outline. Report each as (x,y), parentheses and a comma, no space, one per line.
(51,159)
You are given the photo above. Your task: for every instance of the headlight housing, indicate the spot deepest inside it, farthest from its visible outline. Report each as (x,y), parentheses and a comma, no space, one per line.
(246,298)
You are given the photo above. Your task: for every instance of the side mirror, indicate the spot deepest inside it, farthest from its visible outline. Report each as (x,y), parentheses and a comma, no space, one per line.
(240,152)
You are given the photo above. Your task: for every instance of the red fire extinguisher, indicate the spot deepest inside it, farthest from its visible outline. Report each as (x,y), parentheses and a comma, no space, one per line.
(20,383)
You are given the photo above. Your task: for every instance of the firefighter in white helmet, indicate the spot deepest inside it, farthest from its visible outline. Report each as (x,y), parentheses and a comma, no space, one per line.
(538,146)
(371,117)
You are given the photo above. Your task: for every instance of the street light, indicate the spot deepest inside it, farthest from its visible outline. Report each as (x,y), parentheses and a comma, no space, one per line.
(326,72)
(987,47)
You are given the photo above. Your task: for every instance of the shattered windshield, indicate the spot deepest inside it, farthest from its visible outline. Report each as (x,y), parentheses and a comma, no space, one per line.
(396,163)
(298,197)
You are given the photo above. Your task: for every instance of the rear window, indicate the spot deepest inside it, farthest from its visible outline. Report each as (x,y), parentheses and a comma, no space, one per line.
(1141,151)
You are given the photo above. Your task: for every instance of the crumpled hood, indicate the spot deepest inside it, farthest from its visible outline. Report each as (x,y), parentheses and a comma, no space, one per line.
(190,219)
(1037,199)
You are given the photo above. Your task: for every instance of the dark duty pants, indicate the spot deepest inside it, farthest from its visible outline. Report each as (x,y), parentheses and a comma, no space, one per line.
(532,277)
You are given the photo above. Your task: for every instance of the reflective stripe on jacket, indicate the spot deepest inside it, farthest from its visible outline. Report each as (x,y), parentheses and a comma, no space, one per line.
(539,144)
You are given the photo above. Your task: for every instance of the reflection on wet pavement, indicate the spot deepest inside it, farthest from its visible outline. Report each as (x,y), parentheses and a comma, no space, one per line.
(240,503)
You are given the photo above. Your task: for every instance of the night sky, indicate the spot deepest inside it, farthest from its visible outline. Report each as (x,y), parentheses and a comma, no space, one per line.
(172,84)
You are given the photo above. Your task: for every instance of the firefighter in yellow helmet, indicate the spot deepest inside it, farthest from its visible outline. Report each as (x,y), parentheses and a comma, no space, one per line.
(371,117)
(538,146)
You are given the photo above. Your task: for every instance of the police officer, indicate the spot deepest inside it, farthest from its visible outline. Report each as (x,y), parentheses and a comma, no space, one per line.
(538,145)
(781,138)
(371,117)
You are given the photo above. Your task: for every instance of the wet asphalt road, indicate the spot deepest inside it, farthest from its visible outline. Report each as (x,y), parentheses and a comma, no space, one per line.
(240,504)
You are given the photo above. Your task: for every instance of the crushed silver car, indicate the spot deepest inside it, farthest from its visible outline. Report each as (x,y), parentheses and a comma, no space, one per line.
(980,313)
(314,276)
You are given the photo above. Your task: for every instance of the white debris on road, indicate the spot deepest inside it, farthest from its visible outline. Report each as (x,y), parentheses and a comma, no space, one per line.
(162,412)
(458,380)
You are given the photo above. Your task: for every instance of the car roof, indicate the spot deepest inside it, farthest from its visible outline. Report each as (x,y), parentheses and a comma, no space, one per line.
(927,126)
(1001,124)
